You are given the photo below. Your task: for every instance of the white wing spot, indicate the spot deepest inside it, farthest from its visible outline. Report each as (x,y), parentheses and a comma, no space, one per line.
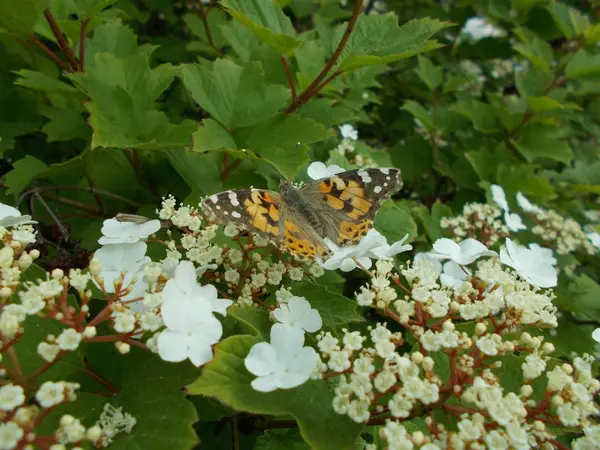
(213,198)
(218,207)
(236,214)
(364,176)
(388,178)
(377,189)
(226,213)
(385,184)
(385,171)
(233,199)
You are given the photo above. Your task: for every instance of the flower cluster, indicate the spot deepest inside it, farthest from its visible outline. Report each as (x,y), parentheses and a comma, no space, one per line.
(479,221)
(489,312)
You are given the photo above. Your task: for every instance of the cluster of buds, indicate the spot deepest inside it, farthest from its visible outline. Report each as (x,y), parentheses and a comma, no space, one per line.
(480,221)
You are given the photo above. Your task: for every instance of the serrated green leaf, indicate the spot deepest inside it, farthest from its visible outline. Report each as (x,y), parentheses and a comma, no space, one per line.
(569,21)
(226,379)
(21,16)
(282,141)
(267,21)
(254,319)
(542,141)
(40,81)
(583,294)
(327,112)
(428,73)
(199,170)
(310,58)
(523,177)
(241,39)
(235,96)
(23,172)
(88,8)
(280,439)
(212,136)
(420,113)
(335,309)
(480,113)
(215,20)
(377,39)
(116,39)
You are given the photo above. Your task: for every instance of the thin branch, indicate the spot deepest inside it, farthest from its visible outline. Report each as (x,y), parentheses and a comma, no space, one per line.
(203,17)
(235,435)
(82,35)
(63,230)
(309,91)
(60,38)
(288,73)
(52,55)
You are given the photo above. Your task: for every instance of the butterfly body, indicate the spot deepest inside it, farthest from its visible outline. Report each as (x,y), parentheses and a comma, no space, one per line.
(297,219)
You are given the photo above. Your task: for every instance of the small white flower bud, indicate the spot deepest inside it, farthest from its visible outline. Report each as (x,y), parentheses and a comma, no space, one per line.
(547,348)
(417,357)
(418,437)
(526,390)
(428,364)
(448,325)
(5,292)
(15,244)
(89,332)
(480,328)
(35,253)
(567,368)
(536,342)
(57,274)
(122,347)
(25,261)
(525,338)
(95,267)
(67,420)
(557,400)
(94,433)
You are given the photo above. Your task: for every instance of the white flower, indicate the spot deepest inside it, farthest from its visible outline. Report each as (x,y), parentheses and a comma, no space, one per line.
(10,435)
(187,311)
(11,396)
(11,216)
(114,421)
(349,132)
(297,313)
(594,239)
(318,170)
(116,232)
(282,364)
(479,28)
(50,394)
(385,251)
(462,253)
(127,258)
(528,265)
(499,196)
(373,245)
(454,275)
(543,254)
(526,205)
(513,221)
(596,335)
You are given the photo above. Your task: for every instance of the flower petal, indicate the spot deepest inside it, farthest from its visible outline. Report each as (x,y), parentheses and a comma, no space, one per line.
(286,340)
(499,196)
(185,277)
(199,351)
(317,170)
(267,383)
(262,359)
(172,346)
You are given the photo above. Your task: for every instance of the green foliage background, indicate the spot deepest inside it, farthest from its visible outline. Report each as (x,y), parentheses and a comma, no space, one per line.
(141,99)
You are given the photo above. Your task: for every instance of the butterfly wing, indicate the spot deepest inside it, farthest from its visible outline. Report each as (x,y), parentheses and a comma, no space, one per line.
(348,202)
(255,210)
(299,238)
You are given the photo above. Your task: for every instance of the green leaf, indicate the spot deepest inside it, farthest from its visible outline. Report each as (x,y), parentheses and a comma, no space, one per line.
(254,319)
(151,391)
(394,221)
(485,163)
(282,141)
(88,8)
(431,219)
(542,104)
(280,439)
(542,141)
(335,309)
(199,170)
(481,114)
(327,112)
(40,81)
(522,177)
(583,294)
(211,136)
(267,21)
(583,64)
(23,172)
(116,39)
(240,39)
(569,21)
(430,75)
(215,20)
(420,113)
(123,114)
(377,39)
(20,17)
(414,156)
(538,52)
(310,58)
(226,379)
(235,96)
(66,120)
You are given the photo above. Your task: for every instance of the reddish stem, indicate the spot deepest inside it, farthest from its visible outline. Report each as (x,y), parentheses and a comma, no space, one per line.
(60,38)
(82,34)
(288,73)
(52,55)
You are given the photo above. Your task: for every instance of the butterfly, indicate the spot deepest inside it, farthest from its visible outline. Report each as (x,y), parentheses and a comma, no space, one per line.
(297,219)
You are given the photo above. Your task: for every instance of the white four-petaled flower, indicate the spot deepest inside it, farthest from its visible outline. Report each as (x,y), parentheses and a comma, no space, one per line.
(297,313)
(187,312)
(11,216)
(526,205)
(349,132)
(117,232)
(528,264)
(479,28)
(318,170)
(282,364)
(463,253)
